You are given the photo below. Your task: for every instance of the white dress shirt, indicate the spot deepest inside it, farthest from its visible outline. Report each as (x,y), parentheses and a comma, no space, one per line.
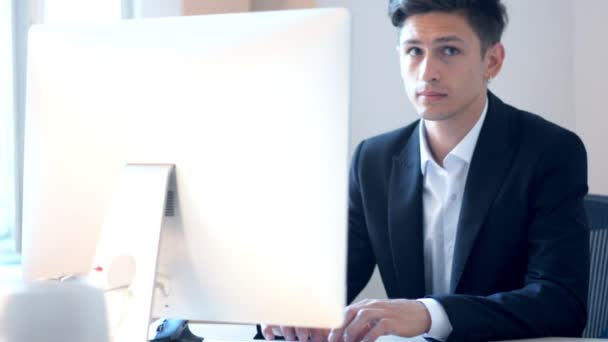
(442,194)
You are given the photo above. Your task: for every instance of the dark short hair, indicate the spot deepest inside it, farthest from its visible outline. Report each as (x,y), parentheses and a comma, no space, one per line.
(487,18)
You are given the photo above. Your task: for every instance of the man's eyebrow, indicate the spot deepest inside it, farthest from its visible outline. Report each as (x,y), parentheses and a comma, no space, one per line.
(448,39)
(444,39)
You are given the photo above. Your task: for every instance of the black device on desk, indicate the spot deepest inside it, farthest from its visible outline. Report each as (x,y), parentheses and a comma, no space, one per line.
(175,330)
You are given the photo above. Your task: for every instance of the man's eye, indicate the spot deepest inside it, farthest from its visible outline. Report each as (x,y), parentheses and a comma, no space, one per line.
(414,51)
(450,51)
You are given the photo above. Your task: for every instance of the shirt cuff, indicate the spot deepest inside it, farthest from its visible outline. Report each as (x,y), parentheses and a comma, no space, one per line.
(441,328)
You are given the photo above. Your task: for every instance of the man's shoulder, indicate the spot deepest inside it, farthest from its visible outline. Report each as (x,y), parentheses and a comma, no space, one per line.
(390,143)
(375,156)
(538,133)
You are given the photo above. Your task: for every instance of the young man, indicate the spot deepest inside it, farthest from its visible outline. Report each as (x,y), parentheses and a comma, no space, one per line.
(474,213)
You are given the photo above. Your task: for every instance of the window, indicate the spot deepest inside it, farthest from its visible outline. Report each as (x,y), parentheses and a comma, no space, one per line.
(7,135)
(15,18)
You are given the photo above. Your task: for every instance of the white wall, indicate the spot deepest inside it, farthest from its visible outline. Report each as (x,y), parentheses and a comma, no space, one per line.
(590,76)
(161,8)
(273,5)
(537,75)
(193,7)
(155,8)
(378,99)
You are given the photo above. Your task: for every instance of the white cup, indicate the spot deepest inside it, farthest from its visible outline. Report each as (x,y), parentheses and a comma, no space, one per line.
(52,311)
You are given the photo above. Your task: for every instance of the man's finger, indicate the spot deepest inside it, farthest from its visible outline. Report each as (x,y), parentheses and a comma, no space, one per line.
(363,322)
(289,333)
(268,332)
(303,334)
(383,327)
(335,335)
(350,312)
(318,335)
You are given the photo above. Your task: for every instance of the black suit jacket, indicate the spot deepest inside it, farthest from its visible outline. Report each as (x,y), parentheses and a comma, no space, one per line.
(521,259)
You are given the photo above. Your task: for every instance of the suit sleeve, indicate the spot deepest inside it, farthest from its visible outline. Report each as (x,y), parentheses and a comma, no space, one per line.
(361,259)
(554,297)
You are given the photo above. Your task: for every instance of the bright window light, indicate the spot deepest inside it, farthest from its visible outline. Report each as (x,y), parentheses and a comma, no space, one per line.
(7,169)
(81,11)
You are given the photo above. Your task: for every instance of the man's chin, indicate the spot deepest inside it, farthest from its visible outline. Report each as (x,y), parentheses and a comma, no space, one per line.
(434,115)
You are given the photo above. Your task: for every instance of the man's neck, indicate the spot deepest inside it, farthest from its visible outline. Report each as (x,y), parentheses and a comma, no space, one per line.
(443,136)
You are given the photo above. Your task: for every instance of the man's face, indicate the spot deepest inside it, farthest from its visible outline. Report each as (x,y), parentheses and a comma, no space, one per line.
(441,65)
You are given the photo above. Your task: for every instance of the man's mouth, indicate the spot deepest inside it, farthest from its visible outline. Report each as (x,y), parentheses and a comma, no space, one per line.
(431,95)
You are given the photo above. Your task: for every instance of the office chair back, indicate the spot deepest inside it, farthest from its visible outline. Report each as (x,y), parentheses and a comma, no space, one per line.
(597,212)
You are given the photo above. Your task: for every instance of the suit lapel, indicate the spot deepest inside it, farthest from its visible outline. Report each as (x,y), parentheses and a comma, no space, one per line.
(405,219)
(489,165)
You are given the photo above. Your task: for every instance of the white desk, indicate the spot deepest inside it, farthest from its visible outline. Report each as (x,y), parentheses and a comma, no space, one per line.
(416,339)
(560,339)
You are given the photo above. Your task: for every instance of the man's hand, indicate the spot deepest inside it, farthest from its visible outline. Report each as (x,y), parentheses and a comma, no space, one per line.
(295,334)
(369,319)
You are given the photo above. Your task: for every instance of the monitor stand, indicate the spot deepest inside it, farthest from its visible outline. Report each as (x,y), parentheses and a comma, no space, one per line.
(127,252)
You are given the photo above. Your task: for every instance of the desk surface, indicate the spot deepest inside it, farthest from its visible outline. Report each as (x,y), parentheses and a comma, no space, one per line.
(561,339)
(243,333)
(395,339)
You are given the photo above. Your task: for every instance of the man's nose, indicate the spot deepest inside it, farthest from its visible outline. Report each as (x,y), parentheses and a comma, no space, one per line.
(429,70)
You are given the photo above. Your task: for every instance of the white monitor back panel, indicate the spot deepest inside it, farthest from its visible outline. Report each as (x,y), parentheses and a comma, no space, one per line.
(252,109)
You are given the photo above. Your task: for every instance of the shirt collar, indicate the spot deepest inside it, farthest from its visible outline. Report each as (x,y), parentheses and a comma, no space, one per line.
(465,148)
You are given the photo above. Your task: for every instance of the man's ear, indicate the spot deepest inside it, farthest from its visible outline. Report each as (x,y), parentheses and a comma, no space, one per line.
(495,56)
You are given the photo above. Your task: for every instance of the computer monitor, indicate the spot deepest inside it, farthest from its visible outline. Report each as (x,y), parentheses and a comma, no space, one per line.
(252,111)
